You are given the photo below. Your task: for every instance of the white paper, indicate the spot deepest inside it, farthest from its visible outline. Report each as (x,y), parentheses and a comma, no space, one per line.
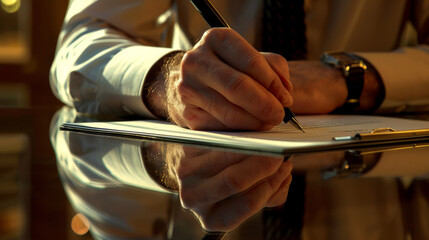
(319,132)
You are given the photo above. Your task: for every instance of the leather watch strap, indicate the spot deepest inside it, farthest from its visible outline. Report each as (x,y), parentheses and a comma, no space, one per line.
(354,81)
(353,69)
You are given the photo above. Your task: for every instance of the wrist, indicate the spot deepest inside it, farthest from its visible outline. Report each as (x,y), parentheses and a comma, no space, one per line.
(154,89)
(365,90)
(373,92)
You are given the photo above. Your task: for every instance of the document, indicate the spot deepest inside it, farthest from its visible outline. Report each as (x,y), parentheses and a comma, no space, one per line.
(322,132)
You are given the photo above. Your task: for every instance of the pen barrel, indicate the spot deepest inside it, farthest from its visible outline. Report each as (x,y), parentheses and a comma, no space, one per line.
(209,13)
(288,115)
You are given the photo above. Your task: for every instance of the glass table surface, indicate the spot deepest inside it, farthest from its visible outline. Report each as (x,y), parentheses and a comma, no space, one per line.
(69,185)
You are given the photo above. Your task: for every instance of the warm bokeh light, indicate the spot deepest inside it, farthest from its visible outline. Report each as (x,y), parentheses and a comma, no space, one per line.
(11,6)
(9,2)
(80,224)
(11,220)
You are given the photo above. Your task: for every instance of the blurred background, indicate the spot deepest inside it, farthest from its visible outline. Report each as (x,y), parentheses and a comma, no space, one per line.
(28,34)
(32,201)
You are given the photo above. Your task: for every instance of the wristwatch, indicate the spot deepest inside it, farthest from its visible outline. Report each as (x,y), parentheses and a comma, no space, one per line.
(353,69)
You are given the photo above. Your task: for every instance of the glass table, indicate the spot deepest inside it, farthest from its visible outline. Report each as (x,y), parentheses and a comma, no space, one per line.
(134,188)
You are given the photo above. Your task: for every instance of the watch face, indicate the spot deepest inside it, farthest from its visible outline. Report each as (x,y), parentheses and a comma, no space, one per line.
(327,58)
(340,60)
(342,57)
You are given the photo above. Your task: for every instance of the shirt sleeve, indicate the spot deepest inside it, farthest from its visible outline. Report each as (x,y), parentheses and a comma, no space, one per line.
(405,72)
(105,50)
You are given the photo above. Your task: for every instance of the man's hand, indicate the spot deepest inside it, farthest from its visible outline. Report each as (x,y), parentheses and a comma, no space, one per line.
(223,83)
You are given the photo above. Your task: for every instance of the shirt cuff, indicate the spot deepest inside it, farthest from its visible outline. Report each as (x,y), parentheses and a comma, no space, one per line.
(405,74)
(128,69)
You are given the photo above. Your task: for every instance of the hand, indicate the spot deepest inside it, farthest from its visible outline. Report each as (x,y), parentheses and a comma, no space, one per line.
(223,83)
(318,88)
(224,189)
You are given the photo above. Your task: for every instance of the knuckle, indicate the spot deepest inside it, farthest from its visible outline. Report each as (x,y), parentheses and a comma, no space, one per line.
(269,165)
(190,59)
(252,61)
(198,60)
(207,63)
(230,116)
(267,109)
(272,86)
(193,119)
(215,35)
(251,204)
(272,184)
(234,183)
(185,91)
(235,83)
(189,115)
(278,59)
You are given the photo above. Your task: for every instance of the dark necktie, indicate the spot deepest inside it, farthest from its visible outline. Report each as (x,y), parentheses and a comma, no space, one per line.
(286,222)
(284,28)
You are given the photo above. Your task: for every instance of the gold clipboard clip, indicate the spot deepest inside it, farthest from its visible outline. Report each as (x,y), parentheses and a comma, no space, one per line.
(383,130)
(381,134)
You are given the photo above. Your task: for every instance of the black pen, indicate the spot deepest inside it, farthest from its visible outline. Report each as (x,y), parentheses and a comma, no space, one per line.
(214,19)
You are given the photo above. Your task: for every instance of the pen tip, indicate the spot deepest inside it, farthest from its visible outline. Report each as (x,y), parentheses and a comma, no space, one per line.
(300,128)
(296,124)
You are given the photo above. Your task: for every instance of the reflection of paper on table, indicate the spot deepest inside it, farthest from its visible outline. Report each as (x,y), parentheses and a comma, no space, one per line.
(320,129)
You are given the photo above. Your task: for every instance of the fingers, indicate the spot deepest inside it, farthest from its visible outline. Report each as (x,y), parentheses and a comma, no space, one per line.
(205,163)
(217,184)
(230,96)
(240,207)
(235,179)
(205,105)
(281,67)
(246,96)
(239,54)
(194,117)
(279,197)
(226,84)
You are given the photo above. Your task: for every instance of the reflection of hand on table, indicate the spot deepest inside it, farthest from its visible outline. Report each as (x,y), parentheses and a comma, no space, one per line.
(224,189)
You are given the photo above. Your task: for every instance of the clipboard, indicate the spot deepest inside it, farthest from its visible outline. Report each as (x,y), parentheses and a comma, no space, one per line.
(321,133)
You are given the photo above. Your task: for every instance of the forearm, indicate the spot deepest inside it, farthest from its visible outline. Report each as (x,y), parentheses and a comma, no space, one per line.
(103,77)
(102,58)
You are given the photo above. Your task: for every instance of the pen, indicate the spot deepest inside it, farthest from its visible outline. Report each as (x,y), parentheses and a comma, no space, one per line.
(214,19)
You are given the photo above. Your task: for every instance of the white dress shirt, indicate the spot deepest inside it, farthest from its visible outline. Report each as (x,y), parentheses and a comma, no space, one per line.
(107,47)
